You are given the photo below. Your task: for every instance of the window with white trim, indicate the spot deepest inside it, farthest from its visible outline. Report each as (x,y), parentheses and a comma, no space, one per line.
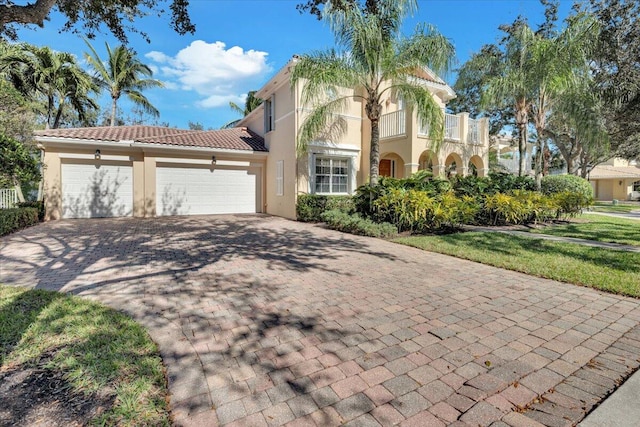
(331,175)
(280,178)
(270,114)
(636,186)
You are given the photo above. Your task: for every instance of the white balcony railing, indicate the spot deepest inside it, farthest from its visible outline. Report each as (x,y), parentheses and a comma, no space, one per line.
(393,124)
(451,127)
(473,132)
(8,198)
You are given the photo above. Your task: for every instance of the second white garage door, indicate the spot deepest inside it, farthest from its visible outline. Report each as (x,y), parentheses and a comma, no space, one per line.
(201,191)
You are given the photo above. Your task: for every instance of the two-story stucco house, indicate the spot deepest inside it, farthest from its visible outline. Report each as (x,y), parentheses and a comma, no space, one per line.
(147,171)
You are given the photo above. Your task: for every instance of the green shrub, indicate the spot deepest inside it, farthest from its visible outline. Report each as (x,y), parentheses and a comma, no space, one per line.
(569,203)
(311,206)
(502,182)
(552,184)
(35,204)
(366,195)
(355,224)
(16,219)
(417,211)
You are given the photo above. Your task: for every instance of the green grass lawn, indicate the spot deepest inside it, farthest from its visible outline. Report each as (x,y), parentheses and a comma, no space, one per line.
(608,270)
(597,227)
(96,348)
(608,207)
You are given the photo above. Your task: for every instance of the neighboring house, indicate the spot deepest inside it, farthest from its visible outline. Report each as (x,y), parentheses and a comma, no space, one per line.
(508,154)
(147,171)
(616,179)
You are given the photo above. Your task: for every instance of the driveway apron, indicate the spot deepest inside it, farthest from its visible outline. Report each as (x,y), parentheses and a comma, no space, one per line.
(263,321)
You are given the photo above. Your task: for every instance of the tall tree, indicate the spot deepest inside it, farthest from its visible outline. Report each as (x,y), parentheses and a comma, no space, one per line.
(616,69)
(40,73)
(89,16)
(511,87)
(375,59)
(558,63)
(123,73)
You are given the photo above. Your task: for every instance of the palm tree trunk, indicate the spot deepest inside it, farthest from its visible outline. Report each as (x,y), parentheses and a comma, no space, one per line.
(374,157)
(522,148)
(114,109)
(56,121)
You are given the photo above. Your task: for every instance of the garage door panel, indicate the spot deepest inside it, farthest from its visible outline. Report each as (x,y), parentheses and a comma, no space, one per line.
(202,191)
(96,191)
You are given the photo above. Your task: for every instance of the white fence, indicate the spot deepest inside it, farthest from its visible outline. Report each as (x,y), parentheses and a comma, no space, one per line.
(8,198)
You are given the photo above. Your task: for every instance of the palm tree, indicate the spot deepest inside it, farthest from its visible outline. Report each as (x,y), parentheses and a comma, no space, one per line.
(251,102)
(559,65)
(41,74)
(375,59)
(123,73)
(512,85)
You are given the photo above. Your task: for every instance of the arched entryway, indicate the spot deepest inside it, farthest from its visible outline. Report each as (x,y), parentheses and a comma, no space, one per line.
(475,166)
(453,165)
(428,160)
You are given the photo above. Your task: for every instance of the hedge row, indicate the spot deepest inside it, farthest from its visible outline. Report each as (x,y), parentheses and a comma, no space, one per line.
(17,218)
(311,206)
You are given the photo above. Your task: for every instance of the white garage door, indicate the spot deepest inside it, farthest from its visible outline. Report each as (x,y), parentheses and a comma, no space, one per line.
(96,190)
(201,191)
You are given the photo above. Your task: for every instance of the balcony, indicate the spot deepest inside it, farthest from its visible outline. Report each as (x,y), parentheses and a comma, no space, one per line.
(458,128)
(393,124)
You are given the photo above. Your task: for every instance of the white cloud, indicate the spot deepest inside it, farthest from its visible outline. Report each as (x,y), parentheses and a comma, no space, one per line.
(217,74)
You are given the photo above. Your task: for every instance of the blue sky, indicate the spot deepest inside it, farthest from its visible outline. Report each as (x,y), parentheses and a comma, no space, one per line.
(239,44)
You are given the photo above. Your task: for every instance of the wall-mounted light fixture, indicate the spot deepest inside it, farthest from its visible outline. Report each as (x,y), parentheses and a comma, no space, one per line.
(213,160)
(97,155)
(619,182)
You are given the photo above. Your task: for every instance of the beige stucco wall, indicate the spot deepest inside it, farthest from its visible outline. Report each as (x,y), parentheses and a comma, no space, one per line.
(615,188)
(143,164)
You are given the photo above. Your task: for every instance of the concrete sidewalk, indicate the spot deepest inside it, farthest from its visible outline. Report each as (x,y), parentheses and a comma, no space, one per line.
(584,242)
(621,409)
(628,215)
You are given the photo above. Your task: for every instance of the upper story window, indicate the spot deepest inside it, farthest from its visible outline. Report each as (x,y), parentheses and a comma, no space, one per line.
(270,114)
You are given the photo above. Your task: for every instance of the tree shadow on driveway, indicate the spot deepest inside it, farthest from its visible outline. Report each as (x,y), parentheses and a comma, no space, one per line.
(94,253)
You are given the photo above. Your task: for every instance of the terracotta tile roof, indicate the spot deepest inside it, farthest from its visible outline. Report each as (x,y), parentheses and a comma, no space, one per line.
(239,138)
(613,172)
(110,133)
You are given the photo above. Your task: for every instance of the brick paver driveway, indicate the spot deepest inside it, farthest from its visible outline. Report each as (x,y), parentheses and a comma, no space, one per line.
(264,321)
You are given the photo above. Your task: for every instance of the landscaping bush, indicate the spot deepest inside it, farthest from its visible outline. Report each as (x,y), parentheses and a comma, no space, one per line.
(502,182)
(34,204)
(311,206)
(16,219)
(569,203)
(355,224)
(417,211)
(552,184)
(366,195)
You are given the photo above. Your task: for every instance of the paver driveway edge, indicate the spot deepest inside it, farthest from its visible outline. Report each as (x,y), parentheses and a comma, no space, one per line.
(265,321)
